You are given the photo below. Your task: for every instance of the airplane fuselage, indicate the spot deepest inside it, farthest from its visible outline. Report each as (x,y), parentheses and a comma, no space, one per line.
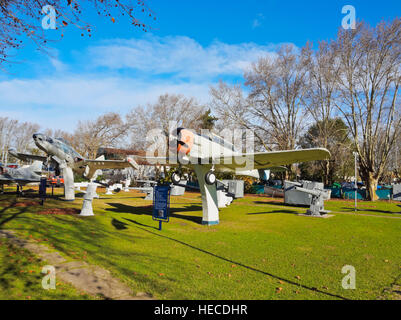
(60,152)
(193,148)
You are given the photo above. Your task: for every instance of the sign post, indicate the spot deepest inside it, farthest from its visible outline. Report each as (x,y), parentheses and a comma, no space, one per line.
(161,204)
(42,189)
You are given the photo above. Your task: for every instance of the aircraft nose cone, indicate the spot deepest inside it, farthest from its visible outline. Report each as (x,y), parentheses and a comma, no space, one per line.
(38,137)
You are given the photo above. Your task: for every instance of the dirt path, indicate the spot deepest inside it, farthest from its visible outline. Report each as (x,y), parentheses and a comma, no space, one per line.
(91,279)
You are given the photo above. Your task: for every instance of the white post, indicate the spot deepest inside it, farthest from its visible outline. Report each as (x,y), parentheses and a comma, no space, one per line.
(209,197)
(127,184)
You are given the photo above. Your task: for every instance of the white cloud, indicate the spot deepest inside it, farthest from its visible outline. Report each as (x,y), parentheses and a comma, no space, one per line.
(179,56)
(257,22)
(117,75)
(62,102)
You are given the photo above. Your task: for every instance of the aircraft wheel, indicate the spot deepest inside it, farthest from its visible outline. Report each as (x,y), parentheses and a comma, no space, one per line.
(176,178)
(210,178)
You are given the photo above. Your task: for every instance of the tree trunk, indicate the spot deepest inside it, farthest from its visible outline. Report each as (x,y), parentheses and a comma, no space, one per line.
(371,185)
(326,173)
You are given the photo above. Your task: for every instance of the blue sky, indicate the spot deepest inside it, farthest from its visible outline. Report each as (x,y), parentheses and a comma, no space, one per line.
(192,45)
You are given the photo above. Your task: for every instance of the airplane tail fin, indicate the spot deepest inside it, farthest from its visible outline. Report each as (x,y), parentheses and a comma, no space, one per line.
(37,167)
(264,175)
(13,152)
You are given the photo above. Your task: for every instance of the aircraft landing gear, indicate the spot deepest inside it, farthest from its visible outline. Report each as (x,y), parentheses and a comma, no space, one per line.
(176,178)
(210,177)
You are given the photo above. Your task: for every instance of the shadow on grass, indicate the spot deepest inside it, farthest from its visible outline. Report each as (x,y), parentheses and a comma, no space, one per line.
(281,204)
(147,210)
(10,270)
(275,211)
(140,226)
(21,210)
(118,224)
(348,209)
(71,235)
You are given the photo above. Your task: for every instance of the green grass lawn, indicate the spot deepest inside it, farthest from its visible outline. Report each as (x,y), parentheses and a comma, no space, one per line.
(260,250)
(21,277)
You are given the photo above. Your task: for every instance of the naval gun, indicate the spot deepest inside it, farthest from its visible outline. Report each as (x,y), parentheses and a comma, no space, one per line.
(317,197)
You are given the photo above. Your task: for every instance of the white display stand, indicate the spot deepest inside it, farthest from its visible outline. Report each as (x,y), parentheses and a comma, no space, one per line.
(127,184)
(87,209)
(223,200)
(69,190)
(209,197)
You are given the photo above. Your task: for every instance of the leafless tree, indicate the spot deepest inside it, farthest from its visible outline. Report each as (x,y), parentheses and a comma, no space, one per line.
(23,141)
(278,86)
(169,108)
(20,20)
(14,134)
(368,81)
(8,129)
(328,131)
(106,131)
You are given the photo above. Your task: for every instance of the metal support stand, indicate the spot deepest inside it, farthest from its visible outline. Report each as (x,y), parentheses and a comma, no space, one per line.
(69,192)
(87,209)
(209,196)
(127,184)
(356,181)
(149,193)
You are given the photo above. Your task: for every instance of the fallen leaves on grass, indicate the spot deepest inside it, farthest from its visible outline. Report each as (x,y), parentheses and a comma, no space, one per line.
(25,204)
(60,211)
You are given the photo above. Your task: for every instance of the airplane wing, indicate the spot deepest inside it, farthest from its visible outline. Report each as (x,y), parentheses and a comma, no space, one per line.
(10,180)
(25,156)
(98,164)
(265,160)
(154,161)
(111,164)
(274,160)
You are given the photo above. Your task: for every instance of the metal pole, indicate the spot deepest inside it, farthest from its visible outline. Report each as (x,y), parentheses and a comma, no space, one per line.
(160,225)
(356,180)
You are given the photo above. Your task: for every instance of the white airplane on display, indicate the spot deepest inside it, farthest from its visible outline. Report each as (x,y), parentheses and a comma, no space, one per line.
(21,176)
(207,154)
(67,161)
